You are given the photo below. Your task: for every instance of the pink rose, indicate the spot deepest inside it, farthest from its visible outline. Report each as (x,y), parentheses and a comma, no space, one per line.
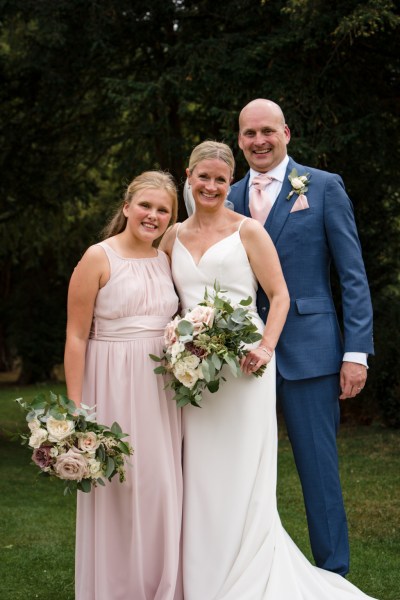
(88,441)
(170,336)
(72,465)
(201,317)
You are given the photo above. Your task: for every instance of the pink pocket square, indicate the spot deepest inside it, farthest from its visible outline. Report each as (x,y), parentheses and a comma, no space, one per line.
(300,204)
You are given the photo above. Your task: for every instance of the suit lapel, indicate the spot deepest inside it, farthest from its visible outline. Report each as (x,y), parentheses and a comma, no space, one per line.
(241,196)
(277,218)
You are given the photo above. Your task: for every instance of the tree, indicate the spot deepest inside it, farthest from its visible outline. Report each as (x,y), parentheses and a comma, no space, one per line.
(96,91)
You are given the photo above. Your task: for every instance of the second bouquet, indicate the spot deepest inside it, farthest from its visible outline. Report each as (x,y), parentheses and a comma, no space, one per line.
(198,345)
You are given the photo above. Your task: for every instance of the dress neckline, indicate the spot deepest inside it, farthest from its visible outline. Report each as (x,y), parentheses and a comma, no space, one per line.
(130,258)
(208,249)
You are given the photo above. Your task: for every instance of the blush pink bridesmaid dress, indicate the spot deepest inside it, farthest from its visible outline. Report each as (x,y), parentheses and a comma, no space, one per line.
(127,535)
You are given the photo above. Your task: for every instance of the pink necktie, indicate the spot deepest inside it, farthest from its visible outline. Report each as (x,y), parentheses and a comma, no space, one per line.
(260,204)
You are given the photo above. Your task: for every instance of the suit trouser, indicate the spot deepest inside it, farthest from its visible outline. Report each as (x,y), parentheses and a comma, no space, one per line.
(312,413)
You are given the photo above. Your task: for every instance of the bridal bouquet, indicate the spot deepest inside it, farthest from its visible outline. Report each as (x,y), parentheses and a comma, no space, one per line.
(199,344)
(68,443)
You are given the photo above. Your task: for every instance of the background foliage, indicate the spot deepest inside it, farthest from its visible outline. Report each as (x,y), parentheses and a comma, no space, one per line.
(95,91)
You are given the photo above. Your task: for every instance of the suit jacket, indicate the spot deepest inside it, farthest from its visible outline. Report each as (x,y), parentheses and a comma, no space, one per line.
(308,242)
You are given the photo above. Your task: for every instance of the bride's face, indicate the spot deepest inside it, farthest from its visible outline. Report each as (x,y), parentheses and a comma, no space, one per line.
(210,180)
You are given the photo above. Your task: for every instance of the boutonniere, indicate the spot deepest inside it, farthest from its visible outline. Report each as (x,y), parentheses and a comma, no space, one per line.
(299,183)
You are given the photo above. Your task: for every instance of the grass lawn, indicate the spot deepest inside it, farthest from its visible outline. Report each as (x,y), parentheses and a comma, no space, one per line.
(37,520)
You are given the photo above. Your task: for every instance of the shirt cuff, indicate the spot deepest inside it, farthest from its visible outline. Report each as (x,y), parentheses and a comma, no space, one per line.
(356,357)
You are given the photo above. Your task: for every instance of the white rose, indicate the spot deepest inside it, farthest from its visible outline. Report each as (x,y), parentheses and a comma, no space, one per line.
(59,429)
(34,424)
(95,468)
(186,370)
(175,350)
(201,317)
(88,441)
(297,183)
(38,437)
(72,465)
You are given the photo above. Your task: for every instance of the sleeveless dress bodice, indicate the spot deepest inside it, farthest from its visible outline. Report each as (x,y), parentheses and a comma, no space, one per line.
(225,261)
(138,299)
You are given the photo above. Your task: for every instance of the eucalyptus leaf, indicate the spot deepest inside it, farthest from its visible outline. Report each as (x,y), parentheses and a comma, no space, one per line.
(185,328)
(232,364)
(216,361)
(109,467)
(183,402)
(124,447)
(85,485)
(116,428)
(213,386)
(205,369)
(246,302)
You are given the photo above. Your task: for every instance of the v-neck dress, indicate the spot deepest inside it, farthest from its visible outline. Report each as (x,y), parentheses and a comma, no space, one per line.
(128,534)
(234,546)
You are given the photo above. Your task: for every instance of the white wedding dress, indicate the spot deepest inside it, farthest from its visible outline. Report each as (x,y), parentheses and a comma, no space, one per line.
(234,545)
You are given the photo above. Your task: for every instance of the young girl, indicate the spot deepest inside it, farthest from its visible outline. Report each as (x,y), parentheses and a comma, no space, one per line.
(120,298)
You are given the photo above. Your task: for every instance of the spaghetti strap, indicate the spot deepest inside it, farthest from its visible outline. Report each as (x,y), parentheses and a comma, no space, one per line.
(241,223)
(178,226)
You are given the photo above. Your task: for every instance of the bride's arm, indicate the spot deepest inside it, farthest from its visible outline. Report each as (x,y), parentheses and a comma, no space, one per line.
(265,263)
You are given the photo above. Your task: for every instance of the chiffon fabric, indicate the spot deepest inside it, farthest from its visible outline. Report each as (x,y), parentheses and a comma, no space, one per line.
(234,545)
(128,534)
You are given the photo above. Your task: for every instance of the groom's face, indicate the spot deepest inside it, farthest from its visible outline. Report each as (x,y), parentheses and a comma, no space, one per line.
(263,137)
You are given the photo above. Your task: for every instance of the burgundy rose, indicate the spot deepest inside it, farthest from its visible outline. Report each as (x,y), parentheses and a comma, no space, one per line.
(41,456)
(199,352)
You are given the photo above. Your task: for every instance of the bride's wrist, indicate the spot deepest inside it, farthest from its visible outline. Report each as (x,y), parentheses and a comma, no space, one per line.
(267,349)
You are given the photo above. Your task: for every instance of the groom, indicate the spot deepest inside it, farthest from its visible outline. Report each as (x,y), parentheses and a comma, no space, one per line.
(312,225)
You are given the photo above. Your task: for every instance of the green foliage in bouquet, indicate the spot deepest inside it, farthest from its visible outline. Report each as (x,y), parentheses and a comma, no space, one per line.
(68,443)
(213,334)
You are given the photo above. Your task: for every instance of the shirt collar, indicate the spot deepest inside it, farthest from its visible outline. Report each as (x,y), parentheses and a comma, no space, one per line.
(277,172)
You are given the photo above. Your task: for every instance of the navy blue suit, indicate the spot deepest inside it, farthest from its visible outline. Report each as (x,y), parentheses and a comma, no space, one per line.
(310,350)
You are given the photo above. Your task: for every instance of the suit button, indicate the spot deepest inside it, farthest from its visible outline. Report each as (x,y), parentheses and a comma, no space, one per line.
(264,308)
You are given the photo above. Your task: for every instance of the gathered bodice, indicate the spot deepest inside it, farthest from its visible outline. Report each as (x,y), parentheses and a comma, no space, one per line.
(225,261)
(137,301)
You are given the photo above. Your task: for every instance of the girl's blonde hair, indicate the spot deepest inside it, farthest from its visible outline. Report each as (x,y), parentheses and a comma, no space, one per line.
(149,180)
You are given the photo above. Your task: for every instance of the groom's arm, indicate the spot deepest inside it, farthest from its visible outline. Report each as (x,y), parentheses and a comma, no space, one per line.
(345,249)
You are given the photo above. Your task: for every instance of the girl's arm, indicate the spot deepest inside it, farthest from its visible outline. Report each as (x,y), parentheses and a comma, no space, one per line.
(91,273)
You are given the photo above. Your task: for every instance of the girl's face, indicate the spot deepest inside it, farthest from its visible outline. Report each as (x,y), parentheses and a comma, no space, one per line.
(210,180)
(148,214)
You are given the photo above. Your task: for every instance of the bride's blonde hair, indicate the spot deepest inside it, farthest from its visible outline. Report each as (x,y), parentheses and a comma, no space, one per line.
(209,150)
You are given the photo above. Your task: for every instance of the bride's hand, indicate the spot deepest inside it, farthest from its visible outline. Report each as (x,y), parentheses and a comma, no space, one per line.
(254,359)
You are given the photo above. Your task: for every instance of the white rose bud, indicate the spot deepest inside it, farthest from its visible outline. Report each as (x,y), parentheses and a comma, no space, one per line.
(95,468)
(34,424)
(175,350)
(297,183)
(37,438)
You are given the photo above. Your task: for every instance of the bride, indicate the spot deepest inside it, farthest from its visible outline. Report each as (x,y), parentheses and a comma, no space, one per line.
(234,546)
